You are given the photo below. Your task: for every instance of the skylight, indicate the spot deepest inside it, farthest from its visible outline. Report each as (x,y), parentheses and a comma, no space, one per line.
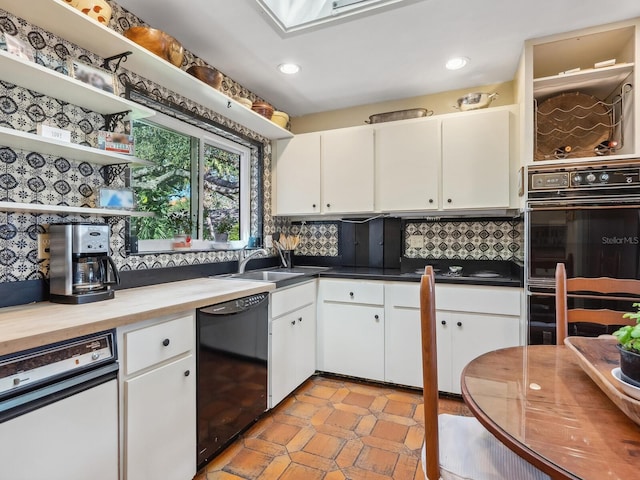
(295,15)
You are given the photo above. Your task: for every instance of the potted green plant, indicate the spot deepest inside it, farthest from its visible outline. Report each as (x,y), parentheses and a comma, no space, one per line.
(222,229)
(629,347)
(180,222)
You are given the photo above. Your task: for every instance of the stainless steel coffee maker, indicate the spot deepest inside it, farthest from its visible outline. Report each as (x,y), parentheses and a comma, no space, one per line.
(81,270)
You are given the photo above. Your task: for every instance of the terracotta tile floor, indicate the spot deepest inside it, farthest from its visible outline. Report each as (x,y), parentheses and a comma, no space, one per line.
(333,429)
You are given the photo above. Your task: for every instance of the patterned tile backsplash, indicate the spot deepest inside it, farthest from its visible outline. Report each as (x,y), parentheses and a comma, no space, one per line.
(466,239)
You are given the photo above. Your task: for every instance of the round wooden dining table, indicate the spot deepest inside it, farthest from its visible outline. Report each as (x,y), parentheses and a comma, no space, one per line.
(540,403)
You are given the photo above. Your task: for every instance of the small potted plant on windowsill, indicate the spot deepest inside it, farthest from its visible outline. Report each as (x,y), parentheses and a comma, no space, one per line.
(180,221)
(629,347)
(222,229)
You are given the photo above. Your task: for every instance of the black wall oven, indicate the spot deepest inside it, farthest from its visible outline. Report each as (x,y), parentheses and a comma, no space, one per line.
(587,217)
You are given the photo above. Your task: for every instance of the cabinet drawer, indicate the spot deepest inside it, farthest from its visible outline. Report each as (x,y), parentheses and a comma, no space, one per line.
(348,291)
(403,294)
(154,344)
(478,299)
(289,299)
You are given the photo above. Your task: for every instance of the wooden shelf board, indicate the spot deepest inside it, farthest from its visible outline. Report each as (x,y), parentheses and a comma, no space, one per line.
(599,82)
(72,25)
(65,209)
(47,81)
(72,151)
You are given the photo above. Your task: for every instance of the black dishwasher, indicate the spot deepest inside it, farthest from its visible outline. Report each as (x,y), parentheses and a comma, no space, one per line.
(232,370)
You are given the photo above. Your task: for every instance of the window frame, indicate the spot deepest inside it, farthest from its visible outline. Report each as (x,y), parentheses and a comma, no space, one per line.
(203,137)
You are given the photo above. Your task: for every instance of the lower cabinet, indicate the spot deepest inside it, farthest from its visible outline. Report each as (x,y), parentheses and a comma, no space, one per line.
(158,398)
(351,332)
(292,339)
(472,320)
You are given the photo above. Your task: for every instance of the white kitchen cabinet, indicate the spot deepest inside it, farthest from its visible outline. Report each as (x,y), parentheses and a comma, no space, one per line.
(407,165)
(347,168)
(158,398)
(292,339)
(325,173)
(476,160)
(351,328)
(472,320)
(297,175)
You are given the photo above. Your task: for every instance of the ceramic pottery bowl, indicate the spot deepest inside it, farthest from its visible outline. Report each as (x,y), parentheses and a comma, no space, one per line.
(158,42)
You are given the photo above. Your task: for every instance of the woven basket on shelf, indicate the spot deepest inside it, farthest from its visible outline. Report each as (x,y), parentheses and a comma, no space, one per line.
(571,125)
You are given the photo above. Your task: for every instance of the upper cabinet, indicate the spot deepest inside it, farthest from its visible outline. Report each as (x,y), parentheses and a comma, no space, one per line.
(407,157)
(71,24)
(296,179)
(576,92)
(475,160)
(347,170)
(454,163)
(324,173)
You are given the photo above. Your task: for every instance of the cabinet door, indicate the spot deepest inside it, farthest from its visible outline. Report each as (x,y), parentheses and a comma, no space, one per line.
(407,166)
(160,422)
(293,351)
(444,343)
(475,160)
(403,346)
(347,170)
(353,340)
(297,175)
(306,340)
(283,369)
(474,334)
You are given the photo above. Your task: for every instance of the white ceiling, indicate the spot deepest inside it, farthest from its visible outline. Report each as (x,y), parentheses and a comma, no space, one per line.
(394,54)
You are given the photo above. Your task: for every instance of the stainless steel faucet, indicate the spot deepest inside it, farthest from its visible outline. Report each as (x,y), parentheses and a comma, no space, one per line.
(243,260)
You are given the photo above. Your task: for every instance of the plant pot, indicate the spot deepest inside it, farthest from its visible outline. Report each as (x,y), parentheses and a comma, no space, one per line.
(630,366)
(181,242)
(221,237)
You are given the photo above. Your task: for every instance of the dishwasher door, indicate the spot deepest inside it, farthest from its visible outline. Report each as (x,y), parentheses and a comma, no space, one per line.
(233,339)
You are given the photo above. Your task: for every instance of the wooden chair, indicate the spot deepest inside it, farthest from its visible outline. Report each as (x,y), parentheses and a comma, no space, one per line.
(458,447)
(587,288)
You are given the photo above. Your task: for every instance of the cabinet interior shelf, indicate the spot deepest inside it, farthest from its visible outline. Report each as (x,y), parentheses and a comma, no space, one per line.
(599,82)
(49,82)
(72,151)
(71,24)
(64,209)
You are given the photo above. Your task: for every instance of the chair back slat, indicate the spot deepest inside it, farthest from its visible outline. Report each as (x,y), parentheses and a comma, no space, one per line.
(430,372)
(587,287)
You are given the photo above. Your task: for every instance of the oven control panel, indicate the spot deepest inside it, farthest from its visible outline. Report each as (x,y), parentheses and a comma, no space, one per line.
(585,178)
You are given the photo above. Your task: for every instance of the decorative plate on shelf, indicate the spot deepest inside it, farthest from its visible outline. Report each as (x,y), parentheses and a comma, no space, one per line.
(629,389)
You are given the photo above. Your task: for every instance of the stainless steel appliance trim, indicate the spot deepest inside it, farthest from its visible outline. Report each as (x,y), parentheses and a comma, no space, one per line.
(584,203)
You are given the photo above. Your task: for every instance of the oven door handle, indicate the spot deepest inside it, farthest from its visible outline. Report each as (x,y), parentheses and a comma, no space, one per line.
(26,402)
(575,205)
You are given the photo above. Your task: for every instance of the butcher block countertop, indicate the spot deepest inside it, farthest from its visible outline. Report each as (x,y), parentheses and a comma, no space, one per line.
(28,326)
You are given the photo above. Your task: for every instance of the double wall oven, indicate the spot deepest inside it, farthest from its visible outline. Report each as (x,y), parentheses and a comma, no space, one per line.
(588,217)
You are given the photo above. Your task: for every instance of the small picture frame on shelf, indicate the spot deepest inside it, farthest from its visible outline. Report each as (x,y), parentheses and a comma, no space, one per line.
(115,142)
(118,198)
(96,77)
(19,48)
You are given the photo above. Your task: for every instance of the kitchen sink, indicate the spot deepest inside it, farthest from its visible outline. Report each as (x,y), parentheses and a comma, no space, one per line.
(266,275)
(279,276)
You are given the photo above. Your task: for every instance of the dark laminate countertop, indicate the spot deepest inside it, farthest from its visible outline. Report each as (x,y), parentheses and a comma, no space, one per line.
(509,273)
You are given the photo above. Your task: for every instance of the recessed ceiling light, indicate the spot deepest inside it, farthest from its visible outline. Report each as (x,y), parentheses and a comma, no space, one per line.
(289,68)
(457,63)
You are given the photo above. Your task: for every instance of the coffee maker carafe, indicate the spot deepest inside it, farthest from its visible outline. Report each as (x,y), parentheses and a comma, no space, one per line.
(81,270)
